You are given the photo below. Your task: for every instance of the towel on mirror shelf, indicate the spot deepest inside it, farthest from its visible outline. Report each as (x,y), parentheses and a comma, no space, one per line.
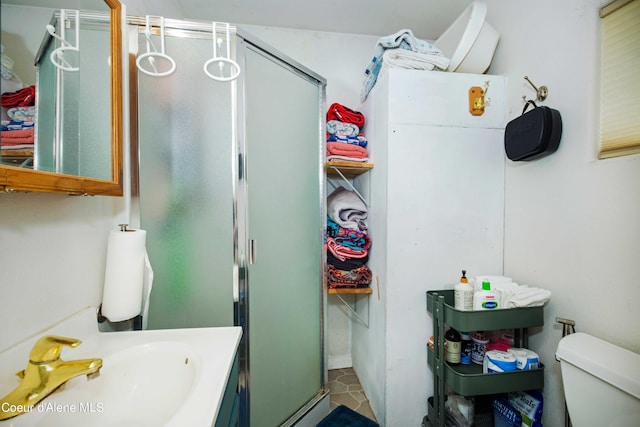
(21,98)
(346,209)
(22,114)
(16,137)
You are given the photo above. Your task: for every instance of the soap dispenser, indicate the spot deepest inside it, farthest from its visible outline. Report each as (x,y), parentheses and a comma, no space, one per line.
(463,294)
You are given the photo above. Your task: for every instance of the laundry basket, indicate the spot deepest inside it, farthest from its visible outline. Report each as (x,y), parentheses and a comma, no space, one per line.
(470,41)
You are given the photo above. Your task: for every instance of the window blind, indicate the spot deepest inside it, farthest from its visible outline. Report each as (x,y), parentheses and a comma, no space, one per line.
(620,84)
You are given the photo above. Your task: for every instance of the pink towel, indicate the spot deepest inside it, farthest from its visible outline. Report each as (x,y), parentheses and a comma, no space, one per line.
(15,137)
(344,149)
(344,252)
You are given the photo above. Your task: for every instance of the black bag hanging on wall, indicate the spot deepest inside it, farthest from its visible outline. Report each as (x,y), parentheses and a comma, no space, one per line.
(534,134)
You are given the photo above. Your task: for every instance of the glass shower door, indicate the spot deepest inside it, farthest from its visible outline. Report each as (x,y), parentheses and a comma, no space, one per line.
(284,222)
(186,191)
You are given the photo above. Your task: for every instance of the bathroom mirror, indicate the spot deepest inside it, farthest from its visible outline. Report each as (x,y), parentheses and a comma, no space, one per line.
(105,129)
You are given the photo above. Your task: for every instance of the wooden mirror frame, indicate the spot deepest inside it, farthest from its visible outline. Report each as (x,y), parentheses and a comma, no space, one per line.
(13,178)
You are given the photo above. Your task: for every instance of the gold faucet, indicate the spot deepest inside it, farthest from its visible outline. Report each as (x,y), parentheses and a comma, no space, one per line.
(44,374)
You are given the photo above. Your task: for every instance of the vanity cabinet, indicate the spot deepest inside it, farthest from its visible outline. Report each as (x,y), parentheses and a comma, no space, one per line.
(468,380)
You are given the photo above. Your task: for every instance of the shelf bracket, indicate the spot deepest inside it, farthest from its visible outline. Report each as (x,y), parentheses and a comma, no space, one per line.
(353,310)
(344,178)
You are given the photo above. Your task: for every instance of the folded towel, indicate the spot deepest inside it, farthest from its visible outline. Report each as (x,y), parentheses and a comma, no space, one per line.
(15,125)
(21,98)
(16,137)
(356,140)
(347,159)
(22,114)
(347,264)
(401,58)
(524,296)
(17,147)
(356,278)
(346,237)
(344,149)
(342,129)
(345,208)
(346,115)
(403,39)
(343,252)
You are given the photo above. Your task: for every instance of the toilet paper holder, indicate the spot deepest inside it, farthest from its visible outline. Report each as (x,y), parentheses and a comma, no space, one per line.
(106,325)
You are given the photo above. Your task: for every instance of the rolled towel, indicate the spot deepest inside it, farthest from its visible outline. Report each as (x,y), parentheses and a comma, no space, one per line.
(21,98)
(346,115)
(342,129)
(345,208)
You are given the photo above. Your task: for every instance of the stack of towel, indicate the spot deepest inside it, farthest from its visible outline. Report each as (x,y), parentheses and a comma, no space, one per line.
(402,50)
(512,294)
(17,131)
(347,241)
(345,139)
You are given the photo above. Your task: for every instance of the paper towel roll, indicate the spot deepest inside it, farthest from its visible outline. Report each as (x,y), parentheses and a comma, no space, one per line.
(124,275)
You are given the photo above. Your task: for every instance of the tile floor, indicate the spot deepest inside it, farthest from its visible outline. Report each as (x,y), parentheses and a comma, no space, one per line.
(346,390)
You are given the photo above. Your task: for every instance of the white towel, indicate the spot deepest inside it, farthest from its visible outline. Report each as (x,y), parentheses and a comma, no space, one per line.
(524,296)
(346,209)
(401,58)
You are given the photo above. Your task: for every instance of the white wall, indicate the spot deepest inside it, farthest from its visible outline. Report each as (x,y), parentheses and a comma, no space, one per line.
(52,258)
(572,222)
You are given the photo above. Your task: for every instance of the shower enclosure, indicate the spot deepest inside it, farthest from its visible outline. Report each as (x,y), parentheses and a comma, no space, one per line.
(230,192)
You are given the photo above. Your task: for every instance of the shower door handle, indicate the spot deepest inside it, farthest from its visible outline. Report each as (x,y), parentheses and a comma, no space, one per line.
(252,251)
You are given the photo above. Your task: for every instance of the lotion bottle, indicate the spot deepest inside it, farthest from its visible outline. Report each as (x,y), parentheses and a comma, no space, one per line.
(486,299)
(463,294)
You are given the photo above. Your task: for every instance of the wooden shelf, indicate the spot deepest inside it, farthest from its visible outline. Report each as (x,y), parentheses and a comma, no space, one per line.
(16,153)
(349,169)
(349,290)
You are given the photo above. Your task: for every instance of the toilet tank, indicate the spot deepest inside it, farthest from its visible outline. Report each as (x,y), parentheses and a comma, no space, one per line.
(601,382)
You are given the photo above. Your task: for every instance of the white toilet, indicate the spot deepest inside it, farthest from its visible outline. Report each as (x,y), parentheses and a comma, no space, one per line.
(601,382)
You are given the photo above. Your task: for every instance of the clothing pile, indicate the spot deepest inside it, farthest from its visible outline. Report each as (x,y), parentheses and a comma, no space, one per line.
(347,241)
(402,50)
(18,109)
(17,131)
(345,139)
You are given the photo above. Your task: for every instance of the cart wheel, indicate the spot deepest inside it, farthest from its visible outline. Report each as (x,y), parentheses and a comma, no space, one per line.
(426,422)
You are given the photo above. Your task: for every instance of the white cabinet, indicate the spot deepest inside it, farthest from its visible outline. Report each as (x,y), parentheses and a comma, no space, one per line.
(437,203)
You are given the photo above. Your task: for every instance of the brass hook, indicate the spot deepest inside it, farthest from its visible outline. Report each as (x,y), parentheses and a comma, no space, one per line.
(541,92)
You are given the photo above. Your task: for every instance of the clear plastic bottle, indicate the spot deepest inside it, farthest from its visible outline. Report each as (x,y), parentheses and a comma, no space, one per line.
(463,294)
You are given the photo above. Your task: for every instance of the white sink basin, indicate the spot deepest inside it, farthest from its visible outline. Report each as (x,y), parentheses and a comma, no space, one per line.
(153,378)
